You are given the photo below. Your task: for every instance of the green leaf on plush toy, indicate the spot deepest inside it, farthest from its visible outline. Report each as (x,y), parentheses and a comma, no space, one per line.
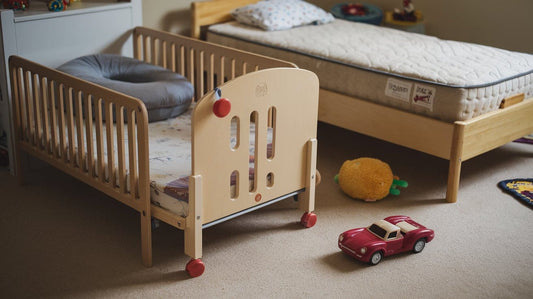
(400,183)
(397,183)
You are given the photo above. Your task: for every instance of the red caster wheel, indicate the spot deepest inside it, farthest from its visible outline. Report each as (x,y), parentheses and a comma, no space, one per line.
(195,267)
(308,219)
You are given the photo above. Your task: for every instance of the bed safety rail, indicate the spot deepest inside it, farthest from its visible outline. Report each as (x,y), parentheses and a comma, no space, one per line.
(206,65)
(87,131)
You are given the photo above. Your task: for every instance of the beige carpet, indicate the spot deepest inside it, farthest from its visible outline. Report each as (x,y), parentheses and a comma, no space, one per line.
(60,238)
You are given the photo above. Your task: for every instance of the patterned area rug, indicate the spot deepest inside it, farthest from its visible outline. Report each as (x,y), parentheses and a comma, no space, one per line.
(525,139)
(519,188)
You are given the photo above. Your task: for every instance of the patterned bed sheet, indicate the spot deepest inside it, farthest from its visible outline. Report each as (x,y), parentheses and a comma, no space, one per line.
(170,161)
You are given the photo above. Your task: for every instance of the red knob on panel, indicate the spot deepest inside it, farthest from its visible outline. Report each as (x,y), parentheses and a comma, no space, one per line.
(221,107)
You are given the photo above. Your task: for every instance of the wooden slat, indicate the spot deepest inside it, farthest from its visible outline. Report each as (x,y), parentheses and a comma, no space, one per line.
(29,107)
(110,142)
(509,101)
(36,110)
(79,130)
(168,217)
(61,123)
(45,114)
(71,142)
(137,42)
(99,141)
(53,119)
(132,151)
(120,150)
(17,94)
(89,135)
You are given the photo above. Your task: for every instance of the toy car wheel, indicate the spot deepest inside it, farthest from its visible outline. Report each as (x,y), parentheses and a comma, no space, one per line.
(195,267)
(419,245)
(376,258)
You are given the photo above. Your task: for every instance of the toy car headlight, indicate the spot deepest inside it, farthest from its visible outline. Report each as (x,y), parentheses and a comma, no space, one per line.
(341,237)
(363,250)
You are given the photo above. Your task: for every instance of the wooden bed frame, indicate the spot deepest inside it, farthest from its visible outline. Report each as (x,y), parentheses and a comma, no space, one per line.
(456,142)
(257,86)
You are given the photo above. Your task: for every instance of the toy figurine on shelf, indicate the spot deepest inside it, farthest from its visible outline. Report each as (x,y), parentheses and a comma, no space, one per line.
(406,13)
(58,5)
(16,4)
(356,9)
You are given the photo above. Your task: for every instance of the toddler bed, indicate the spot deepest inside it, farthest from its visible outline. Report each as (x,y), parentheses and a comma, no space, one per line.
(449,99)
(191,171)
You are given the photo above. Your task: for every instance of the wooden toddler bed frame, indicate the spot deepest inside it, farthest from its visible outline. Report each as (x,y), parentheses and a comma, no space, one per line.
(456,142)
(75,139)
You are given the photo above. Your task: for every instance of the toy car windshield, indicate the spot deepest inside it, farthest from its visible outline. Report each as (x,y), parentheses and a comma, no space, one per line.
(378,230)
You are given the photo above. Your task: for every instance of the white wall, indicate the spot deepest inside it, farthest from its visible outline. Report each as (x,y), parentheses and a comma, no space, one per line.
(168,15)
(504,24)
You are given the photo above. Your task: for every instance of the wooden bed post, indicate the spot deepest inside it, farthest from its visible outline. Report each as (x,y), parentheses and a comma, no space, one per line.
(307,199)
(456,159)
(193,229)
(146,236)
(205,13)
(18,156)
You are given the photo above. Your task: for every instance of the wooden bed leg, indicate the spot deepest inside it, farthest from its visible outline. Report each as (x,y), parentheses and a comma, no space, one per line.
(454,174)
(146,237)
(193,229)
(454,170)
(307,198)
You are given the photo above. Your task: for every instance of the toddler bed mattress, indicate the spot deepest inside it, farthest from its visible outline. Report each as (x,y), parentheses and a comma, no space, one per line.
(442,79)
(170,161)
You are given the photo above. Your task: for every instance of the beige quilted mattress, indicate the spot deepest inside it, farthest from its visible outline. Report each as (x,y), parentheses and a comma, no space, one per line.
(442,79)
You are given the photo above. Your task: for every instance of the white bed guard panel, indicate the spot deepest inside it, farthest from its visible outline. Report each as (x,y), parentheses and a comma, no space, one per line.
(283,100)
(442,79)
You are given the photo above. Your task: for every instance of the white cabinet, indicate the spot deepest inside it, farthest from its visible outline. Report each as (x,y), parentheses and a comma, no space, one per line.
(52,38)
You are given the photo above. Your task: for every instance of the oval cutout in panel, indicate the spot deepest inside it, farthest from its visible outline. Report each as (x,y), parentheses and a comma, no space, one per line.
(253,149)
(234,184)
(271,133)
(234,135)
(270,179)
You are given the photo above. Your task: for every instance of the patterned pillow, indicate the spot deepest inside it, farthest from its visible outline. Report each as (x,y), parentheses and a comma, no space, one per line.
(281,14)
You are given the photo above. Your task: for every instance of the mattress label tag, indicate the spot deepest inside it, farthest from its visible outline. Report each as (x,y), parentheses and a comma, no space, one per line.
(424,96)
(398,89)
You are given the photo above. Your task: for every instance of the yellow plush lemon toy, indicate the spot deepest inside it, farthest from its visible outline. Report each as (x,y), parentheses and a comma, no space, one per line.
(368,179)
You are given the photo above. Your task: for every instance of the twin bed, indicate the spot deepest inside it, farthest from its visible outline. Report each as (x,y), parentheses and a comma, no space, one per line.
(453,100)
(191,171)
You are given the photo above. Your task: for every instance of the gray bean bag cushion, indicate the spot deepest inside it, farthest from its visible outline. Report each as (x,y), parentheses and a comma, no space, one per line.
(165,94)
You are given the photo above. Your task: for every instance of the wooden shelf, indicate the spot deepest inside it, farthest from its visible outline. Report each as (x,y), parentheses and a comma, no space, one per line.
(54,37)
(39,10)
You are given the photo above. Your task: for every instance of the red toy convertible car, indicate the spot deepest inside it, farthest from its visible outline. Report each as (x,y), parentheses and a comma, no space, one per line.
(386,237)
